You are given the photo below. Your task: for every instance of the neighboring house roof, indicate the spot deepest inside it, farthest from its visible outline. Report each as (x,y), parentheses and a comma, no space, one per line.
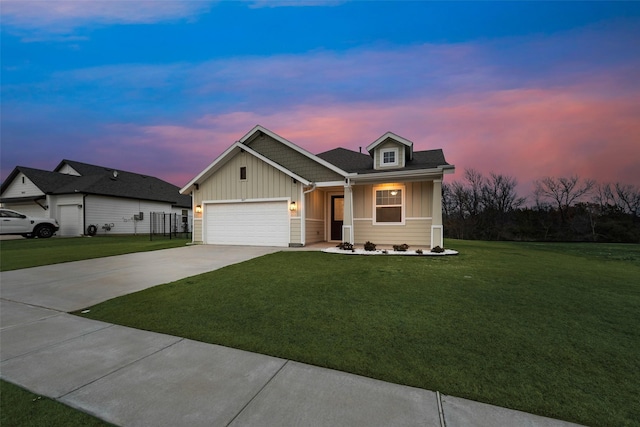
(99,180)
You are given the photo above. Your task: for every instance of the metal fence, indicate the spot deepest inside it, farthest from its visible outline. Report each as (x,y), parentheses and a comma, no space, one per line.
(171,225)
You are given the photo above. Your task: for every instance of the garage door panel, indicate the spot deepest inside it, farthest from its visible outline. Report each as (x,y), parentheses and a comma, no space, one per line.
(256,224)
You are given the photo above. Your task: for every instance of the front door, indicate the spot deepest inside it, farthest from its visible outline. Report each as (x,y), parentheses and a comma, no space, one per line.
(337,217)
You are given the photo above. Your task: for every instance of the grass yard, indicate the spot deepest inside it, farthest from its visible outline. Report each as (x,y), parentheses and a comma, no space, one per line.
(552,329)
(22,408)
(25,253)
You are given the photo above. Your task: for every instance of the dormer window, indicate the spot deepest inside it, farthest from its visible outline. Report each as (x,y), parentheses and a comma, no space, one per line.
(389,157)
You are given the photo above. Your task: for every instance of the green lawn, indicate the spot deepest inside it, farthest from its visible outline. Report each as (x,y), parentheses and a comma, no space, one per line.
(19,407)
(24,253)
(552,329)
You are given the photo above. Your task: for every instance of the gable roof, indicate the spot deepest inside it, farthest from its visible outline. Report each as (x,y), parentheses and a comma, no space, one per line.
(285,164)
(339,163)
(99,180)
(390,135)
(223,158)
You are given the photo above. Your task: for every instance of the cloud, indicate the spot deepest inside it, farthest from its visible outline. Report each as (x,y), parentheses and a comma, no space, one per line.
(525,133)
(63,16)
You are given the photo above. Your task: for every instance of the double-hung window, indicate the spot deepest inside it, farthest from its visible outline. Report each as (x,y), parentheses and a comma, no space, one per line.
(389,205)
(389,157)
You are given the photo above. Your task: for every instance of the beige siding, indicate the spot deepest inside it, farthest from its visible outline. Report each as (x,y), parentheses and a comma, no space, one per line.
(416,233)
(418,199)
(389,143)
(197,230)
(314,231)
(418,208)
(314,204)
(263,182)
(296,231)
(314,212)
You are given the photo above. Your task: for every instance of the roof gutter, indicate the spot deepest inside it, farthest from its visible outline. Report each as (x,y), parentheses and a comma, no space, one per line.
(406,174)
(313,187)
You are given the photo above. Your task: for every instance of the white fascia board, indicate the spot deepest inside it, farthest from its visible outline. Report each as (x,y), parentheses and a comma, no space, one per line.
(293,147)
(401,175)
(214,166)
(391,135)
(274,164)
(225,156)
(332,183)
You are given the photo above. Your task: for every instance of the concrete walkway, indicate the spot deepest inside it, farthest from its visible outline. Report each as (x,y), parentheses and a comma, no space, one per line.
(131,377)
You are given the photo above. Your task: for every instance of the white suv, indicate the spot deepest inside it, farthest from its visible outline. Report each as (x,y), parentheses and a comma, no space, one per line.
(12,222)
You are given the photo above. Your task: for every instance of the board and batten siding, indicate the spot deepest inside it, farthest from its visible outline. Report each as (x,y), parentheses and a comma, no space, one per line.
(416,230)
(263,182)
(101,210)
(18,188)
(314,212)
(377,158)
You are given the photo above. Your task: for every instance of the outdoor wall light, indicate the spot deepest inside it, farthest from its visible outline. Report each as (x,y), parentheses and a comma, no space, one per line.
(198,208)
(293,207)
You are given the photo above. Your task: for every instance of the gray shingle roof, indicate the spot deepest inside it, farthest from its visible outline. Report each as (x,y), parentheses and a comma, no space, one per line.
(101,181)
(354,162)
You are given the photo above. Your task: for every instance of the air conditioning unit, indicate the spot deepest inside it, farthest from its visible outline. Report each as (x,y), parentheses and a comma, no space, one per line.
(138,217)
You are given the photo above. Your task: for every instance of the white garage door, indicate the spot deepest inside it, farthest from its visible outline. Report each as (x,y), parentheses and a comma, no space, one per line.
(253,224)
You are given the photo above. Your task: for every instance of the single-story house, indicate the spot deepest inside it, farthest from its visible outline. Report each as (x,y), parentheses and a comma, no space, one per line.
(81,195)
(265,190)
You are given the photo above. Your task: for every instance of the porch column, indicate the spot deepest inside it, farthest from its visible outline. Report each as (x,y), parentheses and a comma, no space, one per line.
(437,232)
(347,220)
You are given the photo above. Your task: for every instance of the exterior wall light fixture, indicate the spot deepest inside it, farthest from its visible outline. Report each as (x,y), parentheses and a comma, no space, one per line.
(198,208)
(293,207)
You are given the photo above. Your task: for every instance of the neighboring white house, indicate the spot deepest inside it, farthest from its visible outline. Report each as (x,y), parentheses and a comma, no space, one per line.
(79,195)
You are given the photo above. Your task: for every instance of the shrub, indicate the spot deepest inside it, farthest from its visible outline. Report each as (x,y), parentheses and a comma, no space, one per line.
(401,248)
(345,246)
(437,250)
(368,246)
(419,251)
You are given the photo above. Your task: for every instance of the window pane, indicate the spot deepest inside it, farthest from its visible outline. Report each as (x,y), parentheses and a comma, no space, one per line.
(390,214)
(338,209)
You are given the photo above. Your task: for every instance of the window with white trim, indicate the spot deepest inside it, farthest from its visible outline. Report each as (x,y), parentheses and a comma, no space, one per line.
(389,157)
(389,205)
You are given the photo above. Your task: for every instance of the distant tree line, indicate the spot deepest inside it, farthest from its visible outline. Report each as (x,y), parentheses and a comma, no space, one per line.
(560,209)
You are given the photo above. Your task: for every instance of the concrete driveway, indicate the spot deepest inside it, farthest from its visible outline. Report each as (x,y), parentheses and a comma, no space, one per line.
(75,285)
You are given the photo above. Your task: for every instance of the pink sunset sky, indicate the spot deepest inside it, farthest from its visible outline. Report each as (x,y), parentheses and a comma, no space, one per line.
(545,101)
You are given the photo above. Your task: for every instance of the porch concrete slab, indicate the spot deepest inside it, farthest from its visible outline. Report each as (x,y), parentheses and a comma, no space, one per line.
(57,370)
(189,383)
(304,395)
(24,338)
(80,284)
(13,313)
(460,412)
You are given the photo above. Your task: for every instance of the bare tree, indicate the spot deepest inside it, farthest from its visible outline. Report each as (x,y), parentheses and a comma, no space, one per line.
(499,194)
(629,198)
(563,192)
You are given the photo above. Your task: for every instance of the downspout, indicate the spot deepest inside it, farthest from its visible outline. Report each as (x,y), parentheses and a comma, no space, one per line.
(313,187)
